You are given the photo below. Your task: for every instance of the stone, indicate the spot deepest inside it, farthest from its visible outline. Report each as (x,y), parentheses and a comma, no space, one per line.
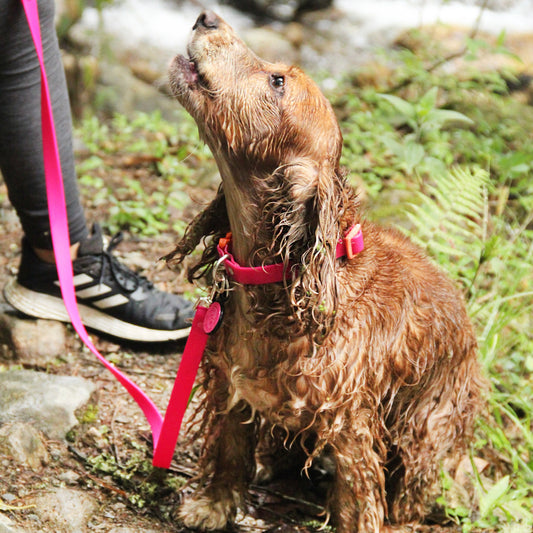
(24,444)
(270,45)
(44,400)
(69,510)
(93,437)
(69,477)
(7,525)
(279,9)
(31,341)
(121,92)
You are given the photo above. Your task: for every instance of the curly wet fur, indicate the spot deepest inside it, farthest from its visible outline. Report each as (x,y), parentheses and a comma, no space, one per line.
(371,361)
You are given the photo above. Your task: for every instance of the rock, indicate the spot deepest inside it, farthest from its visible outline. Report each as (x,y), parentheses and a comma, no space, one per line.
(68,510)
(30,341)
(279,9)
(46,401)
(270,45)
(450,40)
(121,92)
(7,525)
(69,477)
(24,444)
(94,438)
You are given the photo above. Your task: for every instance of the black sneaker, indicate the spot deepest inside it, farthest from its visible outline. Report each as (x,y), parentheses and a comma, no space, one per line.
(111,298)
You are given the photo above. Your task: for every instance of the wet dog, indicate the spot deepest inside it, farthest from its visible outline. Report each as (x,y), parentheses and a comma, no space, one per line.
(368,358)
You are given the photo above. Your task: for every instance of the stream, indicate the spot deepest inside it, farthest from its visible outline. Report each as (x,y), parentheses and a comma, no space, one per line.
(347,31)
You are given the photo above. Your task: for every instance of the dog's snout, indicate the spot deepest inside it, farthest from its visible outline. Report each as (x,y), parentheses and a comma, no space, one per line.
(208,20)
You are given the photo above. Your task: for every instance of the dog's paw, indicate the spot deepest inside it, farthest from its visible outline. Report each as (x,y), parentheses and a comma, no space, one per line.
(205,513)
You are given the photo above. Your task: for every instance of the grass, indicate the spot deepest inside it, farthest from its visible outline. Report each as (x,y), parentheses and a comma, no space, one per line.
(448,160)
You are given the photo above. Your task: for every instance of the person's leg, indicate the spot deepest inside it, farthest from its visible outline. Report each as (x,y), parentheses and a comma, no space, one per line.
(111,298)
(21,153)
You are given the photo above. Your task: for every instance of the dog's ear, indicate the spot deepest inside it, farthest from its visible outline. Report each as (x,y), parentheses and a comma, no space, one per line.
(213,220)
(320,192)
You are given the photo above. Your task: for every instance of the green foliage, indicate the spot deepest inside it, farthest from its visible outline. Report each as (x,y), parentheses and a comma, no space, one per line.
(143,485)
(89,415)
(449,220)
(166,159)
(420,150)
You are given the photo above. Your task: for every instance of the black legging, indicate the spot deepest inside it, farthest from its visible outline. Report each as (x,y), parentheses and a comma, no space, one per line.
(21,149)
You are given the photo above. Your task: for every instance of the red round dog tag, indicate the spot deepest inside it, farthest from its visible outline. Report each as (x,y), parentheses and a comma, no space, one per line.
(213,317)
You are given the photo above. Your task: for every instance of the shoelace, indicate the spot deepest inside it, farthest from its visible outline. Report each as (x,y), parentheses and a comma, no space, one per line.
(127,279)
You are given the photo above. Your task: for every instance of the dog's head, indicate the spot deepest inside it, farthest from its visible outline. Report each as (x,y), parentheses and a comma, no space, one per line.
(277,144)
(249,109)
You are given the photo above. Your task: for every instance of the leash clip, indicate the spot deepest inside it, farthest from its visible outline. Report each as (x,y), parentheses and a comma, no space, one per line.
(221,285)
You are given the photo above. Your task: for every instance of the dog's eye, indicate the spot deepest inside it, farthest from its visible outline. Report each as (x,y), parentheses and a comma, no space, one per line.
(277,81)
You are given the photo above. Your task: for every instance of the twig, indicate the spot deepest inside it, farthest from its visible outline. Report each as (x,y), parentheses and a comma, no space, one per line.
(77,453)
(113,434)
(107,486)
(147,373)
(5,507)
(288,498)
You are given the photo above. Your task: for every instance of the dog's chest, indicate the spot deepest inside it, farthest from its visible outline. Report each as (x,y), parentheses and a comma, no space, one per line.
(263,374)
(248,379)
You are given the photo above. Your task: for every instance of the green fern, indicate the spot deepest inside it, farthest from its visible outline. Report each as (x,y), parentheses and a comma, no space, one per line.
(491,254)
(449,220)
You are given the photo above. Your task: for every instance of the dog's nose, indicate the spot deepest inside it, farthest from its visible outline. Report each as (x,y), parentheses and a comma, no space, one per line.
(208,20)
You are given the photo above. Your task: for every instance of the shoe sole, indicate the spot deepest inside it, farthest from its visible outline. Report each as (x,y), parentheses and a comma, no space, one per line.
(39,305)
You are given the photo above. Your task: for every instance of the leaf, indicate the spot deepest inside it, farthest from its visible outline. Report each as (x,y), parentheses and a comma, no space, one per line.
(436,118)
(413,154)
(428,102)
(405,108)
(491,499)
(448,220)
(393,146)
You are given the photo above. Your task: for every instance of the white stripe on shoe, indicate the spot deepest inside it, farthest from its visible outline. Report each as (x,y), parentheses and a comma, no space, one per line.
(92,292)
(112,301)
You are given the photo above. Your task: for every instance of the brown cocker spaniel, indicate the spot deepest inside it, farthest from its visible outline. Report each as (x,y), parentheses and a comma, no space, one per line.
(370,359)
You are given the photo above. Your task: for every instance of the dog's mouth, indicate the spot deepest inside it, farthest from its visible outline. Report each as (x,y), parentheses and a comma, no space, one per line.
(189,70)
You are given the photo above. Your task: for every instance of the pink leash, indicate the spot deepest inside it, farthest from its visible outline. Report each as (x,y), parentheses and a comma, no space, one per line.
(165,430)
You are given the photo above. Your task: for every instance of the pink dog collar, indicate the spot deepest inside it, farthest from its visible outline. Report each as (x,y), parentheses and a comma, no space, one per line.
(350,245)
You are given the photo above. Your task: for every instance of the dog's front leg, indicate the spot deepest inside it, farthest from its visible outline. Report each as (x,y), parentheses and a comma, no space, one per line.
(357,499)
(230,457)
